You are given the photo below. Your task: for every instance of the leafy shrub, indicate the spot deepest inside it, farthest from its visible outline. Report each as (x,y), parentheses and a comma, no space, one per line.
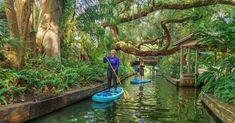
(170,65)
(40,73)
(8,86)
(208,78)
(225,88)
(122,70)
(220,80)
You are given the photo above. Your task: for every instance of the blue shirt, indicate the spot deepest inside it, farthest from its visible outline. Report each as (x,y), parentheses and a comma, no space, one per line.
(113,60)
(135,68)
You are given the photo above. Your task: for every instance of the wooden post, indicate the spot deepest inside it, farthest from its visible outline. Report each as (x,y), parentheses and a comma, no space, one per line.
(196,61)
(189,60)
(181,61)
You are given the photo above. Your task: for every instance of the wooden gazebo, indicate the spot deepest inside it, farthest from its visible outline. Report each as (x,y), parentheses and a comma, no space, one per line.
(187,44)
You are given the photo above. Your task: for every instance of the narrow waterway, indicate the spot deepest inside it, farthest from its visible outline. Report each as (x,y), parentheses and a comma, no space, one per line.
(155,102)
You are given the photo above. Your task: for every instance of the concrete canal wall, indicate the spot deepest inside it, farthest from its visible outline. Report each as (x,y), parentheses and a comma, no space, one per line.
(22,112)
(225,112)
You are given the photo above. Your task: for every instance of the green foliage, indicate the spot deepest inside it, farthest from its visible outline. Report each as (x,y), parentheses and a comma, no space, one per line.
(219,80)
(39,73)
(170,65)
(3,28)
(123,69)
(225,88)
(8,87)
(220,31)
(208,78)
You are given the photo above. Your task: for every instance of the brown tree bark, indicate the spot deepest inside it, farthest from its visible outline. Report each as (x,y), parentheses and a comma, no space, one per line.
(130,49)
(15,57)
(135,48)
(47,38)
(152,42)
(21,24)
(25,13)
(167,32)
(82,53)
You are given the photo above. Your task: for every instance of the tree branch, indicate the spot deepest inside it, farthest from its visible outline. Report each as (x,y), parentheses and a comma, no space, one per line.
(135,49)
(114,30)
(130,49)
(152,42)
(167,32)
(175,6)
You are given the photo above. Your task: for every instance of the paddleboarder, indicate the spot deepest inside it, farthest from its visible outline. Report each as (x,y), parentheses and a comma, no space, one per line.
(135,70)
(141,69)
(114,61)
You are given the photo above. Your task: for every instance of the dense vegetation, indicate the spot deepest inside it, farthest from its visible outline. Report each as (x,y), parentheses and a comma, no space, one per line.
(42,77)
(63,45)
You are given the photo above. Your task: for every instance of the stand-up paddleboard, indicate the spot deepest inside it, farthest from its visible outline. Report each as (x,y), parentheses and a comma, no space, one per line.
(110,96)
(136,81)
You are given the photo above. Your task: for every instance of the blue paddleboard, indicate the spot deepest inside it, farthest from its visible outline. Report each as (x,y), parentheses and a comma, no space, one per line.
(108,96)
(136,81)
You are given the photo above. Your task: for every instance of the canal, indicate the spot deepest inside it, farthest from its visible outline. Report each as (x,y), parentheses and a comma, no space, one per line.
(155,102)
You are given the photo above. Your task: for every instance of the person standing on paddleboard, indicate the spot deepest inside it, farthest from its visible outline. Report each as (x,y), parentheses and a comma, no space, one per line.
(141,69)
(114,61)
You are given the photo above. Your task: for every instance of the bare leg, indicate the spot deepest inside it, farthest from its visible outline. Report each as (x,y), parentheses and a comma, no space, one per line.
(142,77)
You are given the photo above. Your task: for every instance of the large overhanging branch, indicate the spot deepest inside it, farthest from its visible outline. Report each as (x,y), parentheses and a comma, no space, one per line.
(151,41)
(130,49)
(135,49)
(114,30)
(174,6)
(167,32)
(115,33)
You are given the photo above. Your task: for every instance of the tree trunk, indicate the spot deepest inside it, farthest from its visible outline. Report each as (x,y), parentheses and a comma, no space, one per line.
(47,38)
(26,22)
(17,56)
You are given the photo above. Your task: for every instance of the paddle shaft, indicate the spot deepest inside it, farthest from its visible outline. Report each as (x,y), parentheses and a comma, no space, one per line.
(113,71)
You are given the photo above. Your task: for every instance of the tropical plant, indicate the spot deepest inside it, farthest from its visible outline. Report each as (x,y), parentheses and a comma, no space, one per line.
(225,88)
(219,80)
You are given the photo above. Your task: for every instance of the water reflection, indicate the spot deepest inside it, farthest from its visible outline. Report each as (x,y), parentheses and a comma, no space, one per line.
(96,105)
(155,102)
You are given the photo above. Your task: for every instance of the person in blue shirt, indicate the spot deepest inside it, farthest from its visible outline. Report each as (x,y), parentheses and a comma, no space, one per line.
(135,69)
(114,61)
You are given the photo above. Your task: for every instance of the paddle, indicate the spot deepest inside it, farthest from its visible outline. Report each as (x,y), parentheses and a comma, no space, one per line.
(126,94)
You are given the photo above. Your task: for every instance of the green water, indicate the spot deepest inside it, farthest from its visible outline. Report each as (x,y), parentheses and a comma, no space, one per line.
(155,102)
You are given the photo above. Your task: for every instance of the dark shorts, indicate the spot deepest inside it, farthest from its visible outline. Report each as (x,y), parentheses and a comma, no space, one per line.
(141,72)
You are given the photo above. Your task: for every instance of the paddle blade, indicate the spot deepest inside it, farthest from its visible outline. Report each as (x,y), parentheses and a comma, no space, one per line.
(126,95)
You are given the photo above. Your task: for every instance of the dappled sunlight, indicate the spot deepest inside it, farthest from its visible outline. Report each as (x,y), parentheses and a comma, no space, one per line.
(138,61)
